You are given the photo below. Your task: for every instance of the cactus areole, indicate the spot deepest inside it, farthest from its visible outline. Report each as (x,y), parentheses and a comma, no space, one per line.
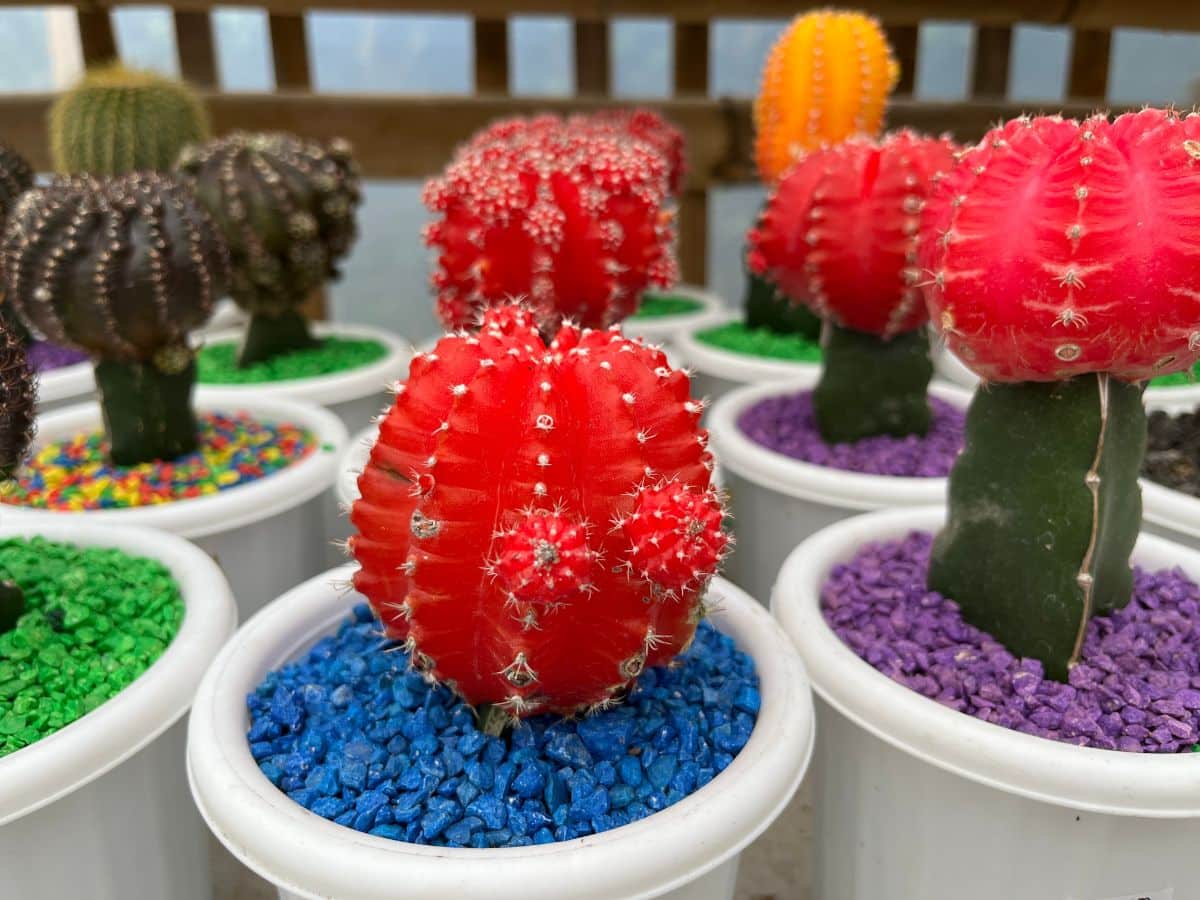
(123,269)
(1062,263)
(287,208)
(537,521)
(17,398)
(567,214)
(839,236)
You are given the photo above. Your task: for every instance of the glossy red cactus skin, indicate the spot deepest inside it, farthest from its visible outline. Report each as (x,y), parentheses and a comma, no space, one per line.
(839,233)
(1057,248)
(537,521)
(570,218)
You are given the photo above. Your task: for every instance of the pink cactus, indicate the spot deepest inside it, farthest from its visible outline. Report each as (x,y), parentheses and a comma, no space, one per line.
(1057,248)
(537,520)
(570,218)
(840,229)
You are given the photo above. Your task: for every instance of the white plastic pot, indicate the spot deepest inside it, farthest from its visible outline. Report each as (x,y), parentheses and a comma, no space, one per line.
(61,387)
(100,808)
(778,501)
(354,460)
(686,852)
(716,372)
(916,801)
(226,315)
(268,535)
(355,396)
(950,367)
(664,329)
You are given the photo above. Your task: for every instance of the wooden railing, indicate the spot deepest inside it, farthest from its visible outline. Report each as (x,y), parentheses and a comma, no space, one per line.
(403,136)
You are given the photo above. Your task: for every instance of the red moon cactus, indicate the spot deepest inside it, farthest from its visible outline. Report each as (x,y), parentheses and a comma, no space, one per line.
(571,218)
(537,521)
(839,231)
(1057,248)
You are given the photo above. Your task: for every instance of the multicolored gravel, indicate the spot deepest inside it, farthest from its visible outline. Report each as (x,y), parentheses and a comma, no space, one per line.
(217,363)
(234,450)
(95,620)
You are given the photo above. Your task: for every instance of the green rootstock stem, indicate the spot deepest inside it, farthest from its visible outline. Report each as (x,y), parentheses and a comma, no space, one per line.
(767,308)
(870,386)
(12,605)
(271,336)
(1044,512)
(147,413)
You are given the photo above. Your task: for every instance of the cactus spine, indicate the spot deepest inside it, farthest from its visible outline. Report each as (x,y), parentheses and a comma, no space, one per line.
(118,120)
(286,207)
(1065,293)
(537,521)
(17,398)
(121,268)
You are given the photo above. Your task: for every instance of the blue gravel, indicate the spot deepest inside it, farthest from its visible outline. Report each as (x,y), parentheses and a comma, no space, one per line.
(352,735)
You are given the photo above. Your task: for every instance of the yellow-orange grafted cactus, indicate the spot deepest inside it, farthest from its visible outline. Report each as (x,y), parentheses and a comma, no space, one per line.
(826,79)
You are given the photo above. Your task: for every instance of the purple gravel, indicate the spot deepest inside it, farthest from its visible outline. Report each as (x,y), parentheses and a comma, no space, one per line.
(1136,687)
(787,425)
(44,356)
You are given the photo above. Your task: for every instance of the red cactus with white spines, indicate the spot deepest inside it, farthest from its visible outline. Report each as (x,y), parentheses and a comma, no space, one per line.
(646,125)
(572,219)
(537,521)
(1037,266)
(839,231)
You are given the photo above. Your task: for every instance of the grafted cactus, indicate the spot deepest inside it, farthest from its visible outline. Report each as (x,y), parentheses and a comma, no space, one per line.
(123,269)
(537,521)
(827,78)
(287,207)
(569,215)
(16,177)
(1062,264)
(118,120)
(17,399)
(839,236)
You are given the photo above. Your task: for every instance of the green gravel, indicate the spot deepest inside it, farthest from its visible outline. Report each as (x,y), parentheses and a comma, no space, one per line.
(95,619)
(738,338)
(217,363)
(1177,379)
(655,306)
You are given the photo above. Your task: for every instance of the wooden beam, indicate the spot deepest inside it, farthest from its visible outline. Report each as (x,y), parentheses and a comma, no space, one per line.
(1170,14)
(96,37)
(691,58)
(491,56)
(411,137)
(289,48)
(992,49)
(1089,64)
(592,66)
(197,53)
(903,39)
(691,80)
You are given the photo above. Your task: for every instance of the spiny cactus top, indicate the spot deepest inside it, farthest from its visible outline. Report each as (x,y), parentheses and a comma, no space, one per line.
(839,233)
(122,268)
(646,125)
(287,207)
(118,120)
(1057,247)
(17,399)
(826,79)
(537,520)
(16,177)
(570,217)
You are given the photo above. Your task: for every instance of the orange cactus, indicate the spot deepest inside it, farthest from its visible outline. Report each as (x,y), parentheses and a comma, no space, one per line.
(826,79)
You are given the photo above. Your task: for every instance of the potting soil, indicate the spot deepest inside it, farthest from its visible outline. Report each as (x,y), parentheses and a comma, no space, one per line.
(656,306)
(738,338)
(216,363)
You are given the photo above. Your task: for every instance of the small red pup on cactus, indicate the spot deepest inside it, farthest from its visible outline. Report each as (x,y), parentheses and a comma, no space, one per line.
(537,520)
(572,217)
(1040,267)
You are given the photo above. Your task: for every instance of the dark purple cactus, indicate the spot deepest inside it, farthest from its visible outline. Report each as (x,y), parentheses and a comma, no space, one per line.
(17,398)
(16,177)
(123,269)
(287,207)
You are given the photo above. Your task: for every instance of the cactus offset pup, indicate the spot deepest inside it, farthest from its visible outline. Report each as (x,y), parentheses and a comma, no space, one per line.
(839,236)
(118,120)
(528,556)
(1062,260)
(286,207)
(122,269)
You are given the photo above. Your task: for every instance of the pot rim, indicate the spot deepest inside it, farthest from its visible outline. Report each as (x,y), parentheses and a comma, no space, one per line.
(806,481)
(325,390)
(740,367)
(224,511)
(666,328)
(311,857)
(358,452)
(82,751)
(1082,778)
